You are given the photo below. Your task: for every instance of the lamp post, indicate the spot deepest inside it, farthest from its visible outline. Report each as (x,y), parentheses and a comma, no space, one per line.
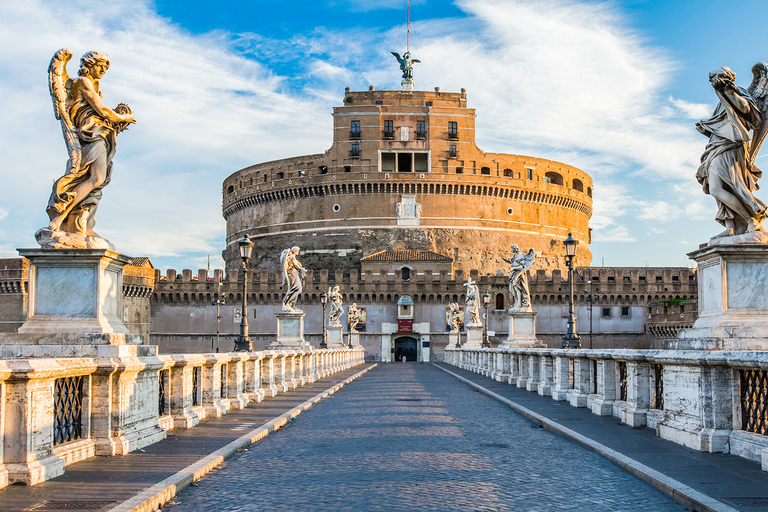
(571,339)
(590,298)
(324,301)
(218,302)
(486,301)
(243,342)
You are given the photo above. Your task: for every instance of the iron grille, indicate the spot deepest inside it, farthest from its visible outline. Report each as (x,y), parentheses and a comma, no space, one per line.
(754,398)
(622,381)
(658,398)
(68,409)
(162,399)
(196,385)
(224,380)
(594,377)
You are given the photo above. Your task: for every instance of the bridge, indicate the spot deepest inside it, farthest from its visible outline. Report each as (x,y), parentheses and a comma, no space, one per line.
(338,433)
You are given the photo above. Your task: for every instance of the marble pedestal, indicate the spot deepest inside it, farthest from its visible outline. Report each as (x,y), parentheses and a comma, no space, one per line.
(733,303)
(522,330)
(474,336)
(75,291)
(453,340)
(335,336)
(354,339)
(290,331)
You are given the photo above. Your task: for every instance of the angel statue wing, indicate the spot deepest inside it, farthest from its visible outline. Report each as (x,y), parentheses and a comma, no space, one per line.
(528,259)
(283,257)
(397,56)
(759,91)
(59,85)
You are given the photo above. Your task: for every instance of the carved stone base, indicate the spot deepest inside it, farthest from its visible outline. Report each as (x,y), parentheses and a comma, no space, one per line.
(474,336)
(354,339)
(75,291)
(522,330)
(733,305)
(290,331)
(335,336)
(454,340)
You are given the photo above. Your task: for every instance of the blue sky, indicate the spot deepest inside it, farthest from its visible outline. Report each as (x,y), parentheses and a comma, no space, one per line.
(611,87)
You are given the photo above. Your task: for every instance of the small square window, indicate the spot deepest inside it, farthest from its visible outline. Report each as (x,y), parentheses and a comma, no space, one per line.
(379,102)
(624,310)
(691,278)
(485,170)
(347,168)
(611,279)
(606,312)
(278,176)
(642,279)
(659,279)
(626,279)
(595,279)
(675,279)
(459,170)
(428,104)
(302,173)
(324,169)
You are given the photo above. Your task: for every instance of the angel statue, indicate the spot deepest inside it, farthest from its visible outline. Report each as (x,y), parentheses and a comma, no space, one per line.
(518,277)
(728,171)
(90,131)
(406,65)
(293,274)
(454,316)
(473,303)
(354,317)
(334,298)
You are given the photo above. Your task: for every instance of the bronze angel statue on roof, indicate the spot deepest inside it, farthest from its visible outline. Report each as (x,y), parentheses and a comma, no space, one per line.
(406,65)
(90,130)
(736,131)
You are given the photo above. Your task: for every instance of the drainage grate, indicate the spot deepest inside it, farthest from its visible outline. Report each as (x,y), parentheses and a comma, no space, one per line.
(56,505)
(409,399)
(749,502)
(494,445)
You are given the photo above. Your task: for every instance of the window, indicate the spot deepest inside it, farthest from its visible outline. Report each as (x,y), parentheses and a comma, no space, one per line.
(453,130)
(452,151)
(589,191)
(324,169)
(499,301)
(230,189)
(611,279)
(428,104)
(508,173)
(355,150)
(554,178)
(682,308)
(659,279)
(302,173)
(624,310)
(485,170)
(406,273)
(675,279)
(354,132)
(642,279)
(691,278)
(421,129)
(389,129)
(578,185)
(278,175)
(379,102)
(347,168)
(606,312)
(266,178)
(459,170)
(595,279)
(626,279)
(529,173)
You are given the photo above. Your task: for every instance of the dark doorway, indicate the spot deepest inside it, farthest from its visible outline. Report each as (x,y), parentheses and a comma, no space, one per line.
(405,347)
(404,162)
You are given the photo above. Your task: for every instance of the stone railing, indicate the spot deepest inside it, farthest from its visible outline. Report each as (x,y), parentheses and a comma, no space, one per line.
(54,412)
(711,401)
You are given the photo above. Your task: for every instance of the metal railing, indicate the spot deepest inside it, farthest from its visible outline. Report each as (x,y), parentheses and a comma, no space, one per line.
(753,392)
(68,409)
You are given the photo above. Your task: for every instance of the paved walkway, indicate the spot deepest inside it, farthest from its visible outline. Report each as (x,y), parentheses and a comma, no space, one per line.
(411,437)
(113,480)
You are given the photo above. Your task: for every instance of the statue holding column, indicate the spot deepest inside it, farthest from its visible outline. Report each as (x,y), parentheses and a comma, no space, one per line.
(90,131)
(736,131)
(293,276)
(518,277)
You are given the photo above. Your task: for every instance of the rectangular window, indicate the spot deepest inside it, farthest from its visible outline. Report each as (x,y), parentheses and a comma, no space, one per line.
(606,312)
(389,129)
(642,279)
(452,151)
(611,279)
(659,279)
(302,174)
(453,130)
(428,104)
(355,149)
(675,279)
(459,170)
(624,310)
(324,169)
(278,175)
(529,173)
(354,131)
(266,178)
(485,170)
(682,308)
(347,168)
(691,279)
(421,130)
(626,279)
(507,173)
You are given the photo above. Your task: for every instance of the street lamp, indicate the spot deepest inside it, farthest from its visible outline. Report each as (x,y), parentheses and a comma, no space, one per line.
(243,342)
(571,339)
(324,301)
(486,301)
(218,302)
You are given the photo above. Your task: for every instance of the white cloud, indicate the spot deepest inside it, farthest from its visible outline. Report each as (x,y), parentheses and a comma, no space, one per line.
(692,110)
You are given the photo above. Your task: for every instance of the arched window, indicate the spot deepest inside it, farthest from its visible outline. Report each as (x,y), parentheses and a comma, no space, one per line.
(589,191)
(230,189)
(554,178)
(578,185)
(406,272)
(508,173)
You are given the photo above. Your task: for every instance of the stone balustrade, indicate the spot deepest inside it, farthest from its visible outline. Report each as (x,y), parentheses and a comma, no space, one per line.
(54,412)
(711,401)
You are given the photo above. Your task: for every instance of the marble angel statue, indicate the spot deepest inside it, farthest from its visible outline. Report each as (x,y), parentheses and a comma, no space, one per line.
(736,131)
(337,309)
(473,303)
(293,275)
(90,131)
(518,277)
(354,316)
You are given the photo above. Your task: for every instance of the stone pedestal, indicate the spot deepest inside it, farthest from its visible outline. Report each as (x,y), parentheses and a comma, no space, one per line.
(335,336)
(453,340)
(354,339)
(733,304)
(522,330)
(75,291)
(474,336)
(290,331)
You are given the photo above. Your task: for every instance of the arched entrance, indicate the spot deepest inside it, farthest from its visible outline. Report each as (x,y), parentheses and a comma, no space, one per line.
(406,346)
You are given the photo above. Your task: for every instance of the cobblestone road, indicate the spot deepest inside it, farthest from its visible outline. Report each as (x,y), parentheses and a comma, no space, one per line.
(410,437)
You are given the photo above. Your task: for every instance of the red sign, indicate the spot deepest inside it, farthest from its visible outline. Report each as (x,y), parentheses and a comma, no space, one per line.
(404,325)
